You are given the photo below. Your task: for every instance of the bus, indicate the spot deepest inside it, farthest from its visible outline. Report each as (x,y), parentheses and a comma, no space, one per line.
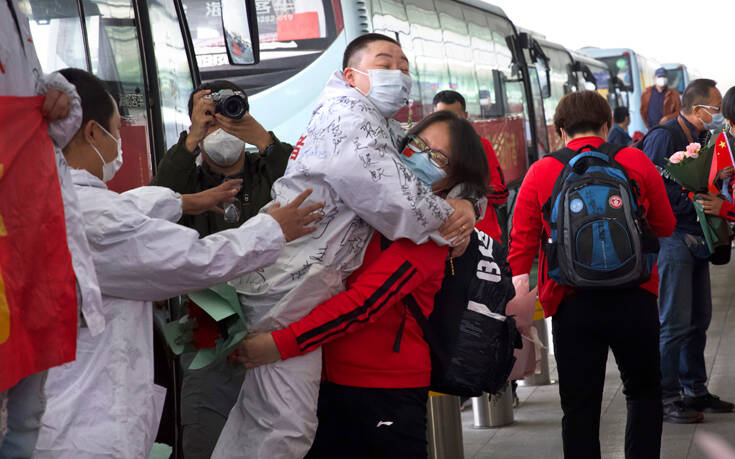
(678,76)
(465,45)
(633,73)
(567,71)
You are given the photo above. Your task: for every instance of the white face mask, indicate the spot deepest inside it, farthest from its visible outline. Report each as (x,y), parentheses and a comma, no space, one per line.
(110,169)
(389,90)
(223,148)
(661,82)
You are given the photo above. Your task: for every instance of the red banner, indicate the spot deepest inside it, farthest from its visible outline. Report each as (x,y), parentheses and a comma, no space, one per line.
(509,142)
(136,168)
(38,303)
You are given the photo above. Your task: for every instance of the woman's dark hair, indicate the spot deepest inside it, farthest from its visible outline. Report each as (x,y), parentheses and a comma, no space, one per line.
(728,106)
(582,111)
(97,103)
(468,162)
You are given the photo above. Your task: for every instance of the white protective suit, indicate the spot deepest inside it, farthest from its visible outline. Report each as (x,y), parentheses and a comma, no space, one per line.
(349,157)
(104,404)
(22,76)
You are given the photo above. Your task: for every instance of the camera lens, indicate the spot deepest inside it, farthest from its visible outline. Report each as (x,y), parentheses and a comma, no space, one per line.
(234,107)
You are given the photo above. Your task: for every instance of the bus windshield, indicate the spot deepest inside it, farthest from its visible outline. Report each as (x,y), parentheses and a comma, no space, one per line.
(293,33)
(620,68)
(676,79)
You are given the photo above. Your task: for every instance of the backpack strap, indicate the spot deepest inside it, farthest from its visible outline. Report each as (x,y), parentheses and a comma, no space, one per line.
(429,336)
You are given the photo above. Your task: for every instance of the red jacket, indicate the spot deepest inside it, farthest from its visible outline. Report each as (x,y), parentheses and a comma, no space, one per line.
(528,223)
(496,197)
(357,328)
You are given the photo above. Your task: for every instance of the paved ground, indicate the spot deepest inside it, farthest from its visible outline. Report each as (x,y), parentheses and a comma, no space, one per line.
(536,432)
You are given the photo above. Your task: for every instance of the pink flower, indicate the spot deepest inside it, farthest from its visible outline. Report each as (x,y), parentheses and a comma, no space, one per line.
(693,154)
(677,157)
(693,148)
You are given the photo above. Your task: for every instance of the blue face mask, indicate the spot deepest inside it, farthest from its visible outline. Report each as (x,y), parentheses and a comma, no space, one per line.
(421,165)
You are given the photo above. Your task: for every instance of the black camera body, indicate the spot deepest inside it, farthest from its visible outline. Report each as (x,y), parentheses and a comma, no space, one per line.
(232,104)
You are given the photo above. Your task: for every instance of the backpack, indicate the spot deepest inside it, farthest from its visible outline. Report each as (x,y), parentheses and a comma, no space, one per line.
(599,236)
(470,337)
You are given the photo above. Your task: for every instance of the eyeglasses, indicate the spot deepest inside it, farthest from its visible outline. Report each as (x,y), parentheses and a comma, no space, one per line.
(437,157)
(709,107)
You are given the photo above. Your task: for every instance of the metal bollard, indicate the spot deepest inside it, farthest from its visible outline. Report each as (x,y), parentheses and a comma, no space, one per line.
(501,407)
(542,377)
(481,412)
(444,426)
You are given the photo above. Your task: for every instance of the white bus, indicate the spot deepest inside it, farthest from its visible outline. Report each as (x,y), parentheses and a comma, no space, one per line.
(633,73)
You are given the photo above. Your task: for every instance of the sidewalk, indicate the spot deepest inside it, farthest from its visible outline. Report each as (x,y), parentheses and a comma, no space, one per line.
(536,432)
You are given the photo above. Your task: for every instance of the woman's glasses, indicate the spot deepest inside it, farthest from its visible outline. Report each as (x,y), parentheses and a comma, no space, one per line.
(437,157)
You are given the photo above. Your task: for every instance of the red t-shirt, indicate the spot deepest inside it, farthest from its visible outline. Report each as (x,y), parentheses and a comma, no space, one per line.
(357,328)
(496,197)
(528,222)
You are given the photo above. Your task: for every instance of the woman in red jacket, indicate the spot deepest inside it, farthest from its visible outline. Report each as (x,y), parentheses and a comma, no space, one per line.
(586,323)
(377,366)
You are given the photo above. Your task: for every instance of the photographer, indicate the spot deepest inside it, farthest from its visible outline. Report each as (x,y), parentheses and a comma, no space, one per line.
(207,395)
(221,142)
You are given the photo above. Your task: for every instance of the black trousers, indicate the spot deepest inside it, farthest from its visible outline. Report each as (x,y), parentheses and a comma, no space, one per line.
(357,423)
(584,327)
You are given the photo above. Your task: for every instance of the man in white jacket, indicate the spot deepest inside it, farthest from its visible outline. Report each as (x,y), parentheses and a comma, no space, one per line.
(105,404)
(22,77)
(349,157)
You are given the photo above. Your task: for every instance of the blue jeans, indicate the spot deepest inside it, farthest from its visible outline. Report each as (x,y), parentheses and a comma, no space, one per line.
(685,311)
(26,403)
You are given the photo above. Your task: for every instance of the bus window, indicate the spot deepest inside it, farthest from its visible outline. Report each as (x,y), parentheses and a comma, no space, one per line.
(620,68)
(676,79)
(428,59)
(389,18)
(114,55)
(57,33)
(459,56)
(174,77)
(559,67)
(293,34)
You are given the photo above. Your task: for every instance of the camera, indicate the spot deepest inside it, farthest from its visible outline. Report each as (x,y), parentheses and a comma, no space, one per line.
(232,104)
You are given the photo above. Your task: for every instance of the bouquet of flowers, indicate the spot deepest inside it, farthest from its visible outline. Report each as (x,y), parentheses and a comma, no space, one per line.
(692,169)
(213,325)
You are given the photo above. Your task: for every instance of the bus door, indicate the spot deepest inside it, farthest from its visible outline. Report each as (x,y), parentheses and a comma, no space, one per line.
(101,37)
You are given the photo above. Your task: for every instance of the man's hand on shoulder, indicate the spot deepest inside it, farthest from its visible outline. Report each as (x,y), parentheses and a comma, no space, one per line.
(202,117)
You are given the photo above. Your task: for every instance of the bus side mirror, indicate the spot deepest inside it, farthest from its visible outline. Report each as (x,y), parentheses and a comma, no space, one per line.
(497,109)
(546,89)
(240,27)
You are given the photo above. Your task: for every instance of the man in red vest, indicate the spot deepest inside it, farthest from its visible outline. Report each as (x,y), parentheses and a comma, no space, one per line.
(454,102)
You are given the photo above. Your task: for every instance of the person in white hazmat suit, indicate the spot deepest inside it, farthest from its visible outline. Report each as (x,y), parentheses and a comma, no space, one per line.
(22,76)
(349,157)
(105,404)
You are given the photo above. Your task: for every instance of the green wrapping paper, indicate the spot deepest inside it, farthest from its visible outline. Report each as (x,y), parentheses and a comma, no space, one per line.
(219,302)
(693,174)
(715,229)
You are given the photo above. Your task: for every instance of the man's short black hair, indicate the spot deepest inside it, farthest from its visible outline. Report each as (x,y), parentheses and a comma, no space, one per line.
(360,43)
(214,86)
(728,106)
(96,100)
(620,114)
(696,93)
(449,97)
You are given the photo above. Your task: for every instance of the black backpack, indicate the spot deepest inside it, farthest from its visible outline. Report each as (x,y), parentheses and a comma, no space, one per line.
(470,337)
(599,237)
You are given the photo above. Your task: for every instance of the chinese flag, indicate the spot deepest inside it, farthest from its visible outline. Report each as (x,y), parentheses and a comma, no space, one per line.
(721,159)
(38,304)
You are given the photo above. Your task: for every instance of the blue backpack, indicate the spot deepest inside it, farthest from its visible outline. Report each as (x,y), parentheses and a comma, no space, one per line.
(599,236)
